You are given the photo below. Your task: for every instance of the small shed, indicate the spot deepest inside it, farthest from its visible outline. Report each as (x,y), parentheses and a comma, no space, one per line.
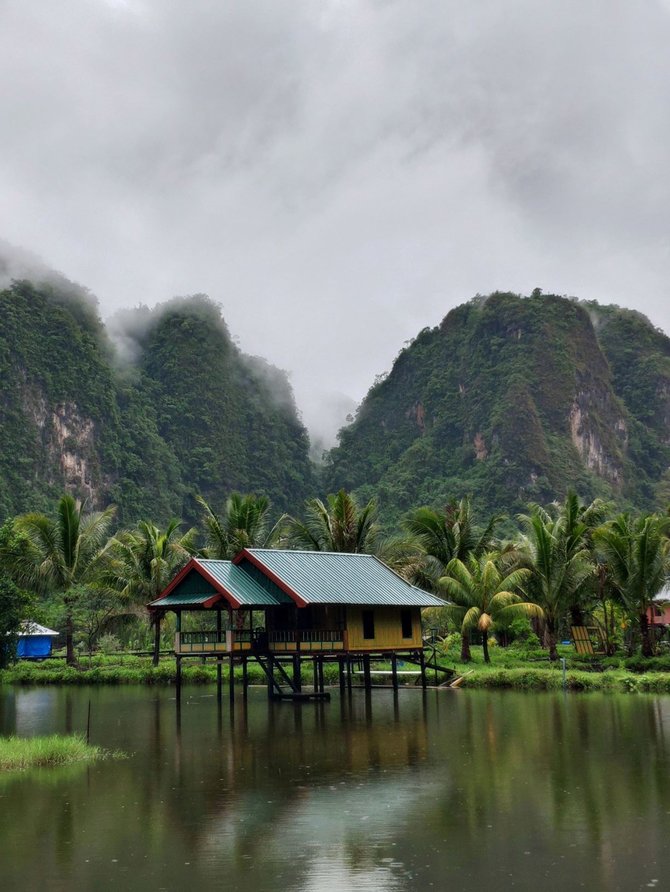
(35,641)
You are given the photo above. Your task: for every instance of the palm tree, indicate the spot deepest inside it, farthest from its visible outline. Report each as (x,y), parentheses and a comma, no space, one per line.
(64,555)
(637,555)
(559,566)
(580,521)
(144,560)
(481,592)
(245,523)
(444,536)
(337,525)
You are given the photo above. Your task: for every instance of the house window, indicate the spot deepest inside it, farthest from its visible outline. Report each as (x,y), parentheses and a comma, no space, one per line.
(368,624)
(406,622)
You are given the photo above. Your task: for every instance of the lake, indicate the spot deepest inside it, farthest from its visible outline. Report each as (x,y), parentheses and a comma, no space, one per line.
(454,790)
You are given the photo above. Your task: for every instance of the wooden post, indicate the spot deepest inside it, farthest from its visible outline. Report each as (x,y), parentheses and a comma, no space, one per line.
(394,671)
(218,678)
(231,677)
(322,686)
(423,669)
(178,679)
(157,638)
(366,672)
(297,679)
(245,677)
(271,668)
(342,679)
(349,674)
(316,674)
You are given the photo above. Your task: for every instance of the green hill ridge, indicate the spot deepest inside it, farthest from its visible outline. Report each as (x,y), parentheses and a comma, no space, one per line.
(189,414)
(515,399)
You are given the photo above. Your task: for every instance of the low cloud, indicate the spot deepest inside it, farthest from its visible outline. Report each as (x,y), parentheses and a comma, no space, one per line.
(339,174)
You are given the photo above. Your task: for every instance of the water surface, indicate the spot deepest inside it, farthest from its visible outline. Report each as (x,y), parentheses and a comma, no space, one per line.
(451,790)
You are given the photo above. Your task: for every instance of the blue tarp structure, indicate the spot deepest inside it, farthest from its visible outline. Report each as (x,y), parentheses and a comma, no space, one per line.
(34,641)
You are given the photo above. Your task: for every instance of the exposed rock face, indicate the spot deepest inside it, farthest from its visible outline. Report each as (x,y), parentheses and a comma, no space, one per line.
(526,397)
(605,461)
(481,452)
(74,448)
(193,414)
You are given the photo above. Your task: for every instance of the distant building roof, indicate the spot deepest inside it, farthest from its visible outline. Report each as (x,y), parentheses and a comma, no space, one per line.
(29,629)
(322,577)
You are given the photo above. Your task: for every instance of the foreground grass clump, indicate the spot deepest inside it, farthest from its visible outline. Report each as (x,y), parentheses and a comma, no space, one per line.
(19,753)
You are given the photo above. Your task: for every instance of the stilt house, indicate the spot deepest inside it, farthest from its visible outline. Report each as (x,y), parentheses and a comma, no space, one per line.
(270,604)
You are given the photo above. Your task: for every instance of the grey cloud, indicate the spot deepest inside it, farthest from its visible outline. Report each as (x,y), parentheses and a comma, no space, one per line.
(339,174)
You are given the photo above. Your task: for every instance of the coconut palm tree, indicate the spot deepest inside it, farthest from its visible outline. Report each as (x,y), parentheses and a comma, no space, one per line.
(579,522)
(245,523)
(336,525)
(444,536)
(481,592)
(143,561)
(636,552)
(64,555)
(339,524)
(559,566)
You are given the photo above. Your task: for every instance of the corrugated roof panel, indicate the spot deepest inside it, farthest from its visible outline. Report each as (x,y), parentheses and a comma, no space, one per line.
(181,599)
(241,585)
(321,577)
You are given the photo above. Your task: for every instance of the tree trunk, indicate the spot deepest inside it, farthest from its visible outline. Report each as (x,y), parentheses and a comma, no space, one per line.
(485,646)
(576,615)
(69,640)
(465,647)
(550,640)
(647,644)
(157,638)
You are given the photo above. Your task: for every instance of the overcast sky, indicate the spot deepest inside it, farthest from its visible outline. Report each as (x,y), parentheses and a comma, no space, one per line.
(339,173)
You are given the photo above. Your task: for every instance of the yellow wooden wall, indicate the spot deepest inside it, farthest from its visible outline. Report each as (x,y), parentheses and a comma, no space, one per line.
(388,629)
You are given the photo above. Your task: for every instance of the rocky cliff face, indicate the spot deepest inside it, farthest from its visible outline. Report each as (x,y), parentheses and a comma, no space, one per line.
(189,415)
(520,398)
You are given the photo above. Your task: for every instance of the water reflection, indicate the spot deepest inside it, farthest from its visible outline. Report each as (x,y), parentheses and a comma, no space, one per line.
(450,790)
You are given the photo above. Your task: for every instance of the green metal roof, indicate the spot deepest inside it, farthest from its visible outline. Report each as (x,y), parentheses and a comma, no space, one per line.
(321,577)
(180,599)
(242,586)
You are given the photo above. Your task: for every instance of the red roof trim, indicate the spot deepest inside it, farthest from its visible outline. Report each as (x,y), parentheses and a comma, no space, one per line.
(194,564)
(300,601)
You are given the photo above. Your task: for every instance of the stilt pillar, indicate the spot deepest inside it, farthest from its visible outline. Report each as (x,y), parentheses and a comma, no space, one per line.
(219,679)
(245,677)
(322,685)
(342,678)
(315,667)
(297,675)
(394,671)
(366,672)
(178,679)
(231,680)
(422,658)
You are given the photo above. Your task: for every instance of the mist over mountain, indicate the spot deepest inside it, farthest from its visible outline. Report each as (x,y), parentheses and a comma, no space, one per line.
(176,410)
(513,400)
(510,399)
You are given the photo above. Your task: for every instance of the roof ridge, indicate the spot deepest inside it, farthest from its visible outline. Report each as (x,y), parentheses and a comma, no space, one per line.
(359,554)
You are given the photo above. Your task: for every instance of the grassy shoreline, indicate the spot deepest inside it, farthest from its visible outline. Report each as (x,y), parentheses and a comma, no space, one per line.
(21,753)
(506,671)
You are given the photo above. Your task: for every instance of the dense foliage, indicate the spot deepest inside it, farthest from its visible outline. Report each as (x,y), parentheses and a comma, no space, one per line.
(188,414)
(514,400)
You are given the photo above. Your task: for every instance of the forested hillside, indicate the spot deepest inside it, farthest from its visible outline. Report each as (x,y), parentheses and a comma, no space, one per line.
(515,399)
(190,413)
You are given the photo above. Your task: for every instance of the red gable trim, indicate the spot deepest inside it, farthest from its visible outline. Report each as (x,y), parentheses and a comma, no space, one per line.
(301,602)
(200,570)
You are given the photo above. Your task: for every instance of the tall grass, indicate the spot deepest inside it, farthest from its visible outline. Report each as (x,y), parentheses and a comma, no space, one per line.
(18,753)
